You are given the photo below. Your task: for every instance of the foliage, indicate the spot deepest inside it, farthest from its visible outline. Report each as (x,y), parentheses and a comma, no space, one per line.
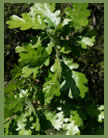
(16,39)
(48,92)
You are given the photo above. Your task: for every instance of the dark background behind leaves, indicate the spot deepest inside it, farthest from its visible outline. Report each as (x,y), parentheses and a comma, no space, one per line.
(91,63)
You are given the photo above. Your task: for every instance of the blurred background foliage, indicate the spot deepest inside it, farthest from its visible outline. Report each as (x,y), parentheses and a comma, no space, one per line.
(91,63)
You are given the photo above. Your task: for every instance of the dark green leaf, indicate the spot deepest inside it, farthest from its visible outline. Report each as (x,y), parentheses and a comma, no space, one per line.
(32,57)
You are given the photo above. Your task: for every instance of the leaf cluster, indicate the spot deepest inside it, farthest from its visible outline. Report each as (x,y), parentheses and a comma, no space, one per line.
(47,86)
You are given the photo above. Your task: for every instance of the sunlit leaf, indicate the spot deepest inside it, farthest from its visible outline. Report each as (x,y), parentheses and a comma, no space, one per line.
(56,67)
(56,119)
(86,41)
(28,71)
(51,88)
(46,10)
(26,22)
(78,14)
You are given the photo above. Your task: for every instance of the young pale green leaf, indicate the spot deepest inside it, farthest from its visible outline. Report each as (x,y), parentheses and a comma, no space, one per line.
(46,11)
(71,128)
(80,81)
(101,114)
(65,49)
(20,49)
(49,51)
(86,41)
(78,14)
(56,67)
(36,125)
(101,117)
(25,47)
(51,88)
(70,63)
(101,107)
(73,123)
(56,119)
(47,62)
(26,22)
(38,43)
(22,123)
(65,21)
(23,131)
(49,47)
(28,71)
(77,119)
